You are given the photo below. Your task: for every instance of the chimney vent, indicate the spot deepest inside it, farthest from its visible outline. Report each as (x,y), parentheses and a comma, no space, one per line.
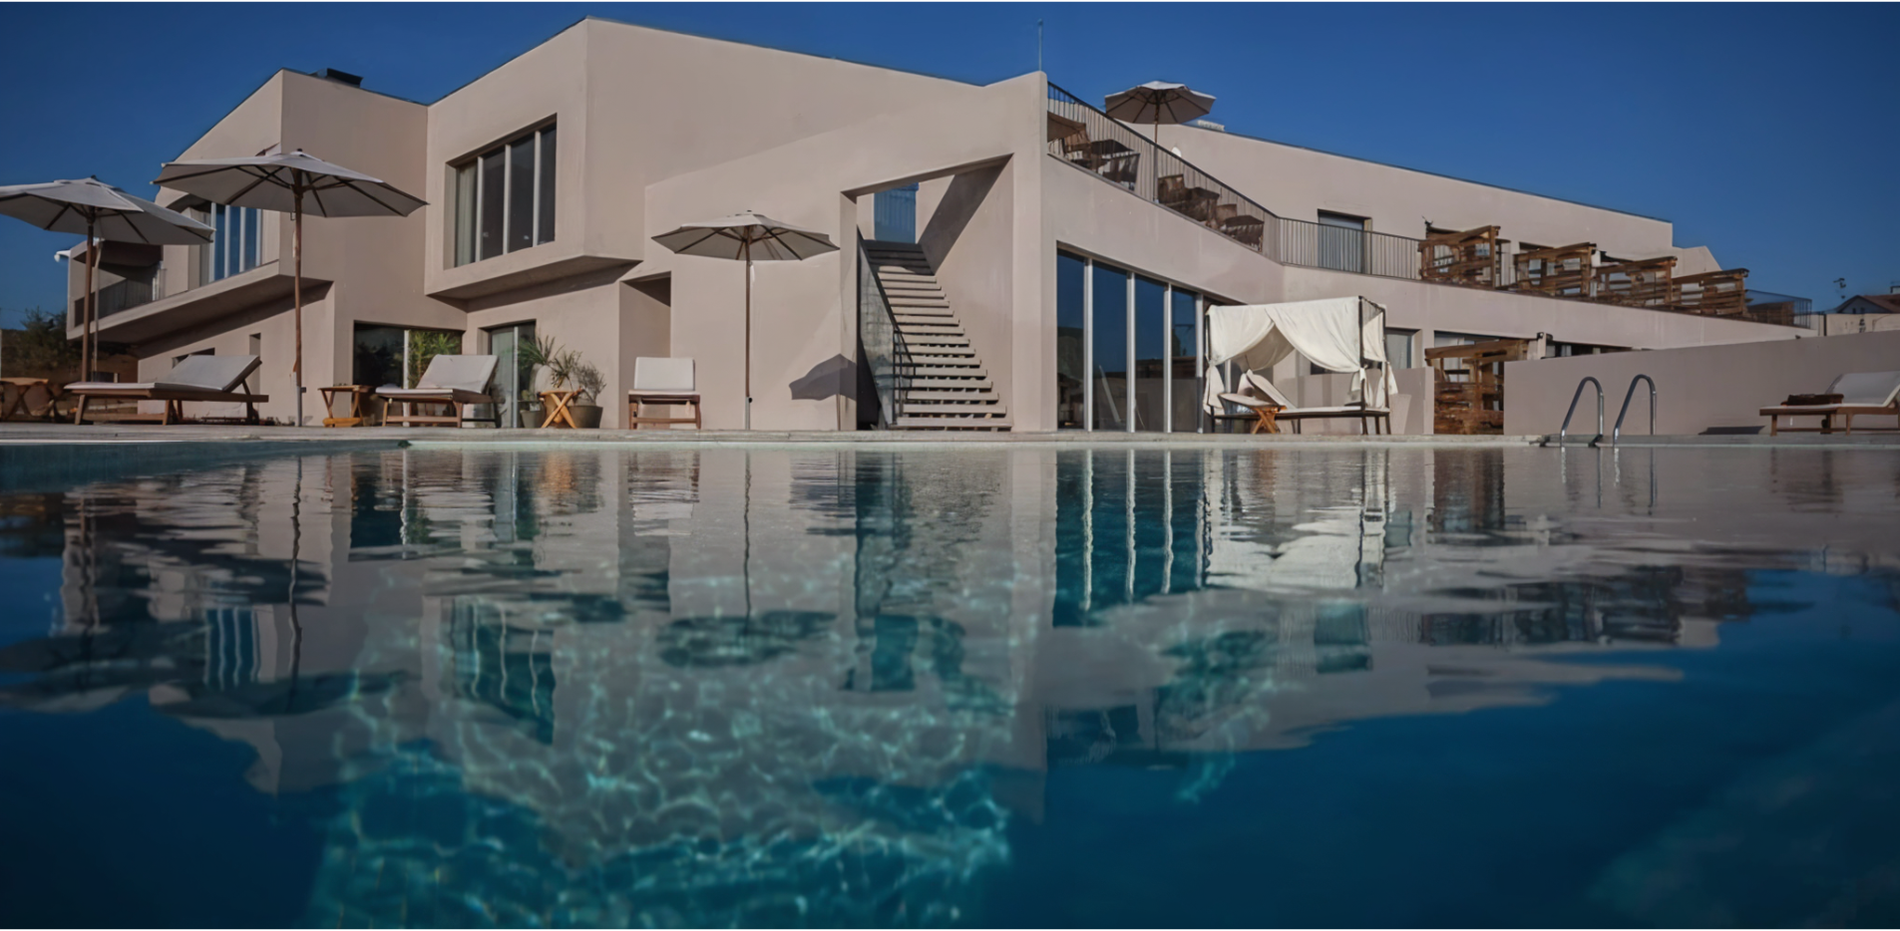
(353,80)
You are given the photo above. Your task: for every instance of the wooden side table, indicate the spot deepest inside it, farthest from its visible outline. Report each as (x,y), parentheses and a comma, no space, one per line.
(13,392)
(556,402)
(357,395)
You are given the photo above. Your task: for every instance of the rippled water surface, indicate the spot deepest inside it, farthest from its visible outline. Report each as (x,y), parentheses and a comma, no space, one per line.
(981,686)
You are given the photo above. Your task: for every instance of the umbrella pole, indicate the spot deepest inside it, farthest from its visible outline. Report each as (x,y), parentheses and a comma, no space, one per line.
(747,247)
(296,286)
(87,351)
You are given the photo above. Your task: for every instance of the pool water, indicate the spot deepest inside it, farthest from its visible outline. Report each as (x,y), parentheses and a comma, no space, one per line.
(982,685)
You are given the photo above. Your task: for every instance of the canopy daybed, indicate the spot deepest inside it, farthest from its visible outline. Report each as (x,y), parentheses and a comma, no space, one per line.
(1342,334)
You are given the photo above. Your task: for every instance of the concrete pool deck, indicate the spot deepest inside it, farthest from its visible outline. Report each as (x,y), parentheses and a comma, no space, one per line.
(58,434)
(42,455)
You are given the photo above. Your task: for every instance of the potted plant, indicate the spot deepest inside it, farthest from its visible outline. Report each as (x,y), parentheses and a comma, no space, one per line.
(591,383)
(535,354)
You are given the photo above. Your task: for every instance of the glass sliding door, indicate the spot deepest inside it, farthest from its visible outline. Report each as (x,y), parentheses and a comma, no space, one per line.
(376,359)
(1342,242)
(514,377)
(1071,352)
(1110,349)
(1184,353)
(1151,355)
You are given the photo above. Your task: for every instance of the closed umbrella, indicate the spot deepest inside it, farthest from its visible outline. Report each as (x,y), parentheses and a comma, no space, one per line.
(295,184)
(101,212)
(1159,102)
(750,237)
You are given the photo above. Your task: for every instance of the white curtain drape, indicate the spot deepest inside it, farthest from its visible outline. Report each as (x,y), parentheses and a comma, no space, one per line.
(1335,334)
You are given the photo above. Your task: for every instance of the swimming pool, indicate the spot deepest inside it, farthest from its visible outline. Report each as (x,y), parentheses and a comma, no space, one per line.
(988,685)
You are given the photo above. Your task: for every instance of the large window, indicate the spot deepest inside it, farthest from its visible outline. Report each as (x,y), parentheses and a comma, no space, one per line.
(1128,350)
(1184,345)
(1109,374)
(233,248)
(504,198)
(514,377)
(1071,350)
(389,355)
(1398,347)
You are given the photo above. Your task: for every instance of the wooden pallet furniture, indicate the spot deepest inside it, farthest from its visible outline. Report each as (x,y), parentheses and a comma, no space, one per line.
(1637,282)
(1468,257)
(1559,271)
(1723,293)
(1468,384)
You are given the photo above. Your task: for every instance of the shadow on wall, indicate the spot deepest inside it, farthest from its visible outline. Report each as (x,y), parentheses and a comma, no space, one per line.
(835,377)
(960,202)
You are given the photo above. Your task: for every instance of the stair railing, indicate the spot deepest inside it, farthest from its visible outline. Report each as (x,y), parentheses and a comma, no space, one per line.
(885,352)
(1616,434)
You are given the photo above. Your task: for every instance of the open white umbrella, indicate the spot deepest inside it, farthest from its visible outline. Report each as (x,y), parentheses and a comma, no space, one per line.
(1159,102)
(101,212)
(295,184)
(750,237)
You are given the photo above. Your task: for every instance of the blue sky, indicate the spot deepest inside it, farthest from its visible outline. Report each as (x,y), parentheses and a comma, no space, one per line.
(1766,132)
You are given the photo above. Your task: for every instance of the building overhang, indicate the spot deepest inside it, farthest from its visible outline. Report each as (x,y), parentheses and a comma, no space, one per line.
(261,285)
(540,273)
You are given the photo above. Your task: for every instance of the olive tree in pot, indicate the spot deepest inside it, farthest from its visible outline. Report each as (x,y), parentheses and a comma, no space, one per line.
(590,383)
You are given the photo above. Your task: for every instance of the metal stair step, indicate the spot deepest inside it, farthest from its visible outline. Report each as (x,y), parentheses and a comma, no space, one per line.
(929,384)
(972,410)
(944,371)
(997,424)
(915,395)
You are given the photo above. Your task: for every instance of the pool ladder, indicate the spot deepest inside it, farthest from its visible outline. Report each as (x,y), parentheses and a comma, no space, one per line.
(1616,432)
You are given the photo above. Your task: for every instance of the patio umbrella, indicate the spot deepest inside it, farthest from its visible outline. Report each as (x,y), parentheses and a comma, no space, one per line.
(101,212)
(295,184)
(1159,102)
(750,237)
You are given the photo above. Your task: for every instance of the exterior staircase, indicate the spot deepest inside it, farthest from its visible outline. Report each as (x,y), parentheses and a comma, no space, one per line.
(948,388)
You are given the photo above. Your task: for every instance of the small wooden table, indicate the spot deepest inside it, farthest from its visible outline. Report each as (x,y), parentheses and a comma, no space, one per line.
(13,392)
(556,403)
(356,392)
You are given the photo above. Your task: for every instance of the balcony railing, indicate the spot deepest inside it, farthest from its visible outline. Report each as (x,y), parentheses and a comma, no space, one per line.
(885,352)
(1090,139)
(119,296)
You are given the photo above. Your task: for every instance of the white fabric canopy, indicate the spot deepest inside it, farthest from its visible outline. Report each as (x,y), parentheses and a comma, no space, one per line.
(1336,334)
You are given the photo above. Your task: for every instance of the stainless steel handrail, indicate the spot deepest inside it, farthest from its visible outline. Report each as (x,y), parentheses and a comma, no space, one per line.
(1616,433)
(1565,429)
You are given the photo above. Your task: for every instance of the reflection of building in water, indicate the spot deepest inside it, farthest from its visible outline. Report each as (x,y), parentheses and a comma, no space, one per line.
(748,675)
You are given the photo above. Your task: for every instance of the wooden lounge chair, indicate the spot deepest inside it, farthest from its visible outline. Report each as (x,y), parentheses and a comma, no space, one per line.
(1270,407)
(209,378)
(662,381)
(452,382)
(1861,393)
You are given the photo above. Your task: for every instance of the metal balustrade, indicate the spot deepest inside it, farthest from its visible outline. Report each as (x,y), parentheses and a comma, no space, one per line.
(1090,139)
(885,352)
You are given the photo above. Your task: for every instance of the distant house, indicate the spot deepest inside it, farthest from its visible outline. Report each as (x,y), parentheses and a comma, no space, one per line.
(1870,304)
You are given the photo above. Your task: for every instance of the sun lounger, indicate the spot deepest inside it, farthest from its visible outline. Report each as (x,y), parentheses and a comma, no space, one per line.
(208,378)
(1862,394)
(1270,407)
(452,382)
(662,381)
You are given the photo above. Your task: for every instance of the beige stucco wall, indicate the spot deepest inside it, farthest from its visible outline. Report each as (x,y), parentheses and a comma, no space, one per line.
(804,313)
(1697,388)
